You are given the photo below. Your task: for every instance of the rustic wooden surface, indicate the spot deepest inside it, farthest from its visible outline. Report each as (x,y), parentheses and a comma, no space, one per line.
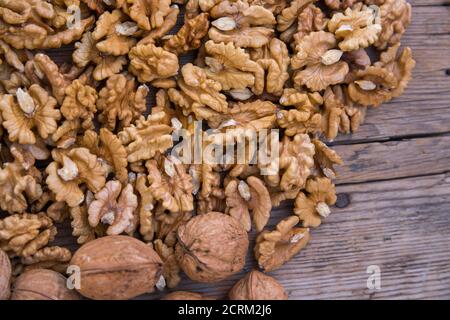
(393,206)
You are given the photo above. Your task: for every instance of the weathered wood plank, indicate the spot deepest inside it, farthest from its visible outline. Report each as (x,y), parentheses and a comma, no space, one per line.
(394,159)
(400,225)
(429,20)
(429,2)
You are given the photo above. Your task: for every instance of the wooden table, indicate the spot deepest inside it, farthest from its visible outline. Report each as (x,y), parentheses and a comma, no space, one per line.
(393,208)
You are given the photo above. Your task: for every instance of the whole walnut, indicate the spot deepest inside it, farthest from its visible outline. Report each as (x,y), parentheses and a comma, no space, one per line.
(42,284)
(185,295)
(5,276)
(211,247)
(257,286)
(117,267)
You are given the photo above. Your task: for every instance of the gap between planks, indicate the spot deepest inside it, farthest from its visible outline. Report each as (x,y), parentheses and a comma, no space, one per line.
(389,160)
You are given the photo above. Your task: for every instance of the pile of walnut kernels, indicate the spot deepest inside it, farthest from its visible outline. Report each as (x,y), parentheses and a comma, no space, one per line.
(78,144)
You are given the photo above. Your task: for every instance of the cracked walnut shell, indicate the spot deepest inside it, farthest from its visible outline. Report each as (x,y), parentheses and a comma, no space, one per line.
(5,275)
(117,267)
(185,295)
(211,247)
(274,248)
(256,285)
(42,284)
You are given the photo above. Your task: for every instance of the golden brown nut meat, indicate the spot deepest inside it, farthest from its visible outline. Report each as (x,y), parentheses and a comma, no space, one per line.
(30,109)
(358,27)
(400,64)
(295,163)
(54,258)
(18,187)
(395,18)
(68,171)
(80,104)
(318,62)
(42,284)
(171,269)
(121,101)
(24,234)
(109,151)
(257,286)
(189,36)
(243,24)
(146,137)
(198,94)
(275,248)
(39,24)
(311,19)
(148,14)
(211,247)
(325,158)
(114,206)
(149,62)
(312,205)
(372,86)
(286,20)
(306,117)
(232,67)
(245,196)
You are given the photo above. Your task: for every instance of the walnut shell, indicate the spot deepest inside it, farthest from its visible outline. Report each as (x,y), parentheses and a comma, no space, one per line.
(211,247)
(42,284)
(117,267)
(185,295)
(257,286)
(5,276)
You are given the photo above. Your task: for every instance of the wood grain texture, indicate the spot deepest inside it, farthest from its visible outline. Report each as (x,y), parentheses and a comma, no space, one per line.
(394,159)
